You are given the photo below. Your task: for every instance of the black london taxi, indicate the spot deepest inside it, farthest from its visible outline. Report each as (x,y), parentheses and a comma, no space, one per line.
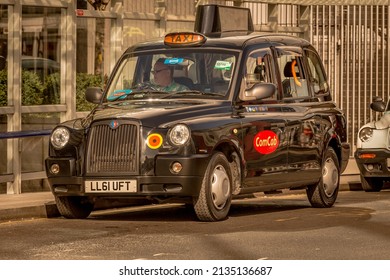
(372,153)
(243,113)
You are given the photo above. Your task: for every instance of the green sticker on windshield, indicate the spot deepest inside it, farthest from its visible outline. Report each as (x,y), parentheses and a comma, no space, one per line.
(222,65)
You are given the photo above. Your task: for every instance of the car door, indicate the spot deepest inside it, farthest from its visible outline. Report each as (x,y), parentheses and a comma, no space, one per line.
(263,128)
(305,124)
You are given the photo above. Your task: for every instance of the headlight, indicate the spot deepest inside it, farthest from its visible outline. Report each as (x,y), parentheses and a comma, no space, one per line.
(179,134)
(59,137)
(365,134)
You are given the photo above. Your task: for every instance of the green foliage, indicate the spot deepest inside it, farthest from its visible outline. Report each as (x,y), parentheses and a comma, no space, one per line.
(51,93)
(32,88)
(36,93)
(84,81)
(3,87)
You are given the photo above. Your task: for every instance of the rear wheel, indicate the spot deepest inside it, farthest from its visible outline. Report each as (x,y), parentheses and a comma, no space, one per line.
(324,193)
(74,207)
(370,184)
(214,200)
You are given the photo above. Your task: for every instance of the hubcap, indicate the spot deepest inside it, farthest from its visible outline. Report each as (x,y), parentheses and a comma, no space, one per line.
(220,187)
(330,177)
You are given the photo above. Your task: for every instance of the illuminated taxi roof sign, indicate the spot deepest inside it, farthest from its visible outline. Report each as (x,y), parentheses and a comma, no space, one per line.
(182,39)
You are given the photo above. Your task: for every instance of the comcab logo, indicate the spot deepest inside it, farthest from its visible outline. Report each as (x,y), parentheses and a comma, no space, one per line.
(266,142)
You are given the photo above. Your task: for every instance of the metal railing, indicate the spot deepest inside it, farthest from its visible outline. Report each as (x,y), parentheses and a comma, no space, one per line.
(6,178)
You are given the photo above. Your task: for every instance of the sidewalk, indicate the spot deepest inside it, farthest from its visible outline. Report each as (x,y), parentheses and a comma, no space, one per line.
(27,206)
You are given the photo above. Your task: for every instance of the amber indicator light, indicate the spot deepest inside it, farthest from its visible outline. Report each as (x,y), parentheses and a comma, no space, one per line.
(154,141)
(365,156)
(184,39)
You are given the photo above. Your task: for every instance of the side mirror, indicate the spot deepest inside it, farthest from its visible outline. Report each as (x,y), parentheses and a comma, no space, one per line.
(258,91)
(94,95)
(378,105)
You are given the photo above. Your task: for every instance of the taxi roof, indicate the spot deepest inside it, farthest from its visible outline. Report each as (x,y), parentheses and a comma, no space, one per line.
(229,40)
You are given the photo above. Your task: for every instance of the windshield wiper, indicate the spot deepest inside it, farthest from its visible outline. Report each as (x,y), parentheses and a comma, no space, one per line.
(120,96)
(193,92)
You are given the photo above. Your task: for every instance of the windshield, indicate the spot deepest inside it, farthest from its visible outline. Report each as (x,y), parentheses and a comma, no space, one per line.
(195,73)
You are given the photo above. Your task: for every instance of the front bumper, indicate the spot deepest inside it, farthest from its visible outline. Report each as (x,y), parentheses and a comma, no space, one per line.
(373,162)
(145,186)
(161,183)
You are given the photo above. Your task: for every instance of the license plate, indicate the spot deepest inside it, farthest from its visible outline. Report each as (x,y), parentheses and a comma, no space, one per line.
(111,186)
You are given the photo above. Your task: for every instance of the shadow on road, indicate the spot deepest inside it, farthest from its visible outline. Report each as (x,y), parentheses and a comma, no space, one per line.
(264,214)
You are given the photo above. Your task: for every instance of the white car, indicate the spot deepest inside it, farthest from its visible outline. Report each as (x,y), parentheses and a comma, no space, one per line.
(373,149)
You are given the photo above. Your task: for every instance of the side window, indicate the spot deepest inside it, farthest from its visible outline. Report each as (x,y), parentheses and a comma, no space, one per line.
(317,76)
(294,82)
(258,69)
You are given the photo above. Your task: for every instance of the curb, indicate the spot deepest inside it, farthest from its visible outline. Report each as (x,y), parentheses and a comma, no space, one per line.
(47,210)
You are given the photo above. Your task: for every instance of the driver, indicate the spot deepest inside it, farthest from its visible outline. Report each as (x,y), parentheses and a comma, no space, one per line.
(163,77)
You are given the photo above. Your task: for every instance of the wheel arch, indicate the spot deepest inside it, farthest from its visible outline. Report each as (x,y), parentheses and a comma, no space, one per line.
(336,146)
(234,157)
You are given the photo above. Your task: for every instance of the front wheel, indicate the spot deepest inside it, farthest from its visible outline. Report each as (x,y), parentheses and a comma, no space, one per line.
(74,207)
(371,184)
(324,193)
(214,200)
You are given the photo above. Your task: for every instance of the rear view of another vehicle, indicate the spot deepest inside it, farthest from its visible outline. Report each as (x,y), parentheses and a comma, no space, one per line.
(373,149)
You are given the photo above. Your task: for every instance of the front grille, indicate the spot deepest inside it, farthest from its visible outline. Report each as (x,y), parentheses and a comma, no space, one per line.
(112,150)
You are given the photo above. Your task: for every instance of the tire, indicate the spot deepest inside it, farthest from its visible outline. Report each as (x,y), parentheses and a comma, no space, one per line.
(370,184)
(74,207)
(215,196)
(324,193)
